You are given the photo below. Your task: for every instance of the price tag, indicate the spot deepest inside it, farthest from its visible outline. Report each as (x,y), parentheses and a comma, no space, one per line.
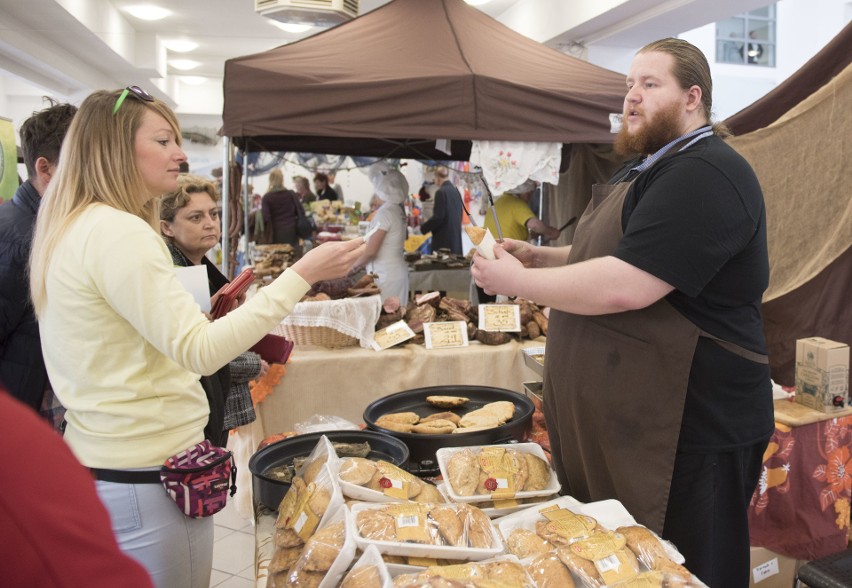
(500,317)
(445,335)
(391,335)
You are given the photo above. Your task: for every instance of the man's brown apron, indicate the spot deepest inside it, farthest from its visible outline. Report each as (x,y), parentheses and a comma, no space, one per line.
(615,385)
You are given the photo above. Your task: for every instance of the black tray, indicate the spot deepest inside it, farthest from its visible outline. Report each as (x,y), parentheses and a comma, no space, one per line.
(269,491)
(422,449)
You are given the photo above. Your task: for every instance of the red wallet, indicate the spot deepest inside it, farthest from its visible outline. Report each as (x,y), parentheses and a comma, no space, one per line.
(273,348)
(236,288)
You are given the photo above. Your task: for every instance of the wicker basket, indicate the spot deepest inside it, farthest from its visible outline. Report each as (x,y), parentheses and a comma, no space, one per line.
(322,336)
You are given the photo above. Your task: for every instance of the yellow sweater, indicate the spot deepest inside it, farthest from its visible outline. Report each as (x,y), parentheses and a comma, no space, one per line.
(513,214)
(124,342)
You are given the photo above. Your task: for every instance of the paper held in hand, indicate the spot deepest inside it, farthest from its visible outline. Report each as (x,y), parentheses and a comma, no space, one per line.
(483,240)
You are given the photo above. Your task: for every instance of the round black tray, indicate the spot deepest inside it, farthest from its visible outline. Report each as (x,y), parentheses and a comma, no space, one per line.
(269,491)
(422,448)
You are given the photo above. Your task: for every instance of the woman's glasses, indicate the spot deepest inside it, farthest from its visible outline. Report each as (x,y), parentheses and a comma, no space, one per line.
(131,90)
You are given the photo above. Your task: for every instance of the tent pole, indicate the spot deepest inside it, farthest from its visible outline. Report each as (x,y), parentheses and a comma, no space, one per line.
(226,184)
(246,197)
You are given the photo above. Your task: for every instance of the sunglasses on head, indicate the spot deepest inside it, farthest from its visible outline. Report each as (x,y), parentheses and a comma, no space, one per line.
(134,91)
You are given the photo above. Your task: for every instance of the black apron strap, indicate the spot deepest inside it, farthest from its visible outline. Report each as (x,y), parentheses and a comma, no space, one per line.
(736,349)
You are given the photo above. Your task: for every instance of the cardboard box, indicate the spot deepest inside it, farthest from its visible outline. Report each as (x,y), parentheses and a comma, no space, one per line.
(772,570)
(822,374)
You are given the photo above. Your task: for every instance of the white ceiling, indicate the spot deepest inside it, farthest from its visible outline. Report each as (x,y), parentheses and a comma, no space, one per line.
(71,47)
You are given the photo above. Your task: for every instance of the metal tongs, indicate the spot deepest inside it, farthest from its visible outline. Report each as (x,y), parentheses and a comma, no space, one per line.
(478,171)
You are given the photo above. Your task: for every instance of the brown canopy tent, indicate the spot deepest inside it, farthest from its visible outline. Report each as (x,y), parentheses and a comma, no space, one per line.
(391,82)
(797,139)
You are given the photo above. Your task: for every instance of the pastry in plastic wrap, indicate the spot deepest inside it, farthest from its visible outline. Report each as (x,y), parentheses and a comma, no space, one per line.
(581,568)
(506,573)
(311,470)
(645,545)
(357,470)
(287,539)
(385,471)
(548,571)
(429,494)
(463,472)
(283,559)
(323,548)
(608,555)
(510,461)
(477,525)
(524,543)
(538,472)
(304,579)
(449,524)
(363,577)
(376,524)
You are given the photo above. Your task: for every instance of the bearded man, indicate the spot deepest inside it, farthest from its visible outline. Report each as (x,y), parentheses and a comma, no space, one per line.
(656,378)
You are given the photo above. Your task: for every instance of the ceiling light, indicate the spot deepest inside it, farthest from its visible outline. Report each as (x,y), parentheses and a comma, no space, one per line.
(477,2)
(147,11)
(291,27)
(192,80)
(183,64)
(180,45)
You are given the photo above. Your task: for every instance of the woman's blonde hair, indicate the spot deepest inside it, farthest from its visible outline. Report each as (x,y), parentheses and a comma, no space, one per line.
(97,165)
(276,180)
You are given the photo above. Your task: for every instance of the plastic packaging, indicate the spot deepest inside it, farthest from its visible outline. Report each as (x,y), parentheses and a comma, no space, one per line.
(369,571)
(321,422)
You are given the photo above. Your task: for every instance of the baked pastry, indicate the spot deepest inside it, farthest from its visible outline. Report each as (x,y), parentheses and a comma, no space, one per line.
(538,473)
(548,571)
(645,545)
(502,409)
(363,577)
(449,525)
(318,502)
(476,234)
(514,462)
(284,558)
(478,418)
(473,429)
(446,416)
(447,401)
(357,470)
(414,485)
(434,427)
(394,425)
(463,472)
(376,525)
(580,567)
(304,579)
(408,418)
(478,526)
(323,548)
(506,573)
(287,538)
(524,543)
(313,469)
(429,494)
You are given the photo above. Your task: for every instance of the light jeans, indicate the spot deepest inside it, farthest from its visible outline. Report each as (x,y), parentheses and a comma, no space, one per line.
(176,550)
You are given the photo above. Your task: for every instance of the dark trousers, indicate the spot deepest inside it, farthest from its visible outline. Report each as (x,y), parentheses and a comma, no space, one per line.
(707,517)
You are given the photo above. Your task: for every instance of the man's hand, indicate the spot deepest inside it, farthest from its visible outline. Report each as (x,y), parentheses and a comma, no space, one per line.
(500,275)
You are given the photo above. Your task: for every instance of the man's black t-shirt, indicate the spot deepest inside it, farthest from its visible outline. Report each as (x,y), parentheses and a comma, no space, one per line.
(696,219)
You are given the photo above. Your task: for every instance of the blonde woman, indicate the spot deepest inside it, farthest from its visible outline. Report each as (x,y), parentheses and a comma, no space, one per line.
(124,343)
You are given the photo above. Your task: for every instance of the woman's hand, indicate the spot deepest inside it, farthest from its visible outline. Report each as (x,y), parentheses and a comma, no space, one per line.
(333,259)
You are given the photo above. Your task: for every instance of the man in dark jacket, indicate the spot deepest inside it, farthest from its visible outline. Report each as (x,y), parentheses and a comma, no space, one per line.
(445,223)
(22,369)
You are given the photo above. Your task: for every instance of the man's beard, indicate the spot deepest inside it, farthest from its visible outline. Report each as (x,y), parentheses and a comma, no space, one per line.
(656,133)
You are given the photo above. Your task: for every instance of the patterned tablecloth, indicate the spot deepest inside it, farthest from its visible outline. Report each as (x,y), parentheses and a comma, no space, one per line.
(801,505)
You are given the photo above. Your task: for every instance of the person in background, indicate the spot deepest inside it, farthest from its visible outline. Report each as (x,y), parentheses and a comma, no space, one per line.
(303,189)
(338,189)
(54,534)
(279,211)
(657,377)
(324,190)
(22,369)
(445,222)
(123,340)
(257,227)
(517,220)
(191,225)
(385,253)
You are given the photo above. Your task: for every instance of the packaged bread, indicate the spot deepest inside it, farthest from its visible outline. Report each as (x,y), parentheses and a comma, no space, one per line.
(602,559)
(496,472)
(326,555)
(369,571)
(482,240)
(649,549)
(548,571)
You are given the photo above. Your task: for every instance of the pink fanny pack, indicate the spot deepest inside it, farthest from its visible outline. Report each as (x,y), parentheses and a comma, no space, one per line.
(198,479)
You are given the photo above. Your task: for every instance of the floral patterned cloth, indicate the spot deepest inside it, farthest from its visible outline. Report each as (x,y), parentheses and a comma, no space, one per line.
(801,505)
(506,165)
